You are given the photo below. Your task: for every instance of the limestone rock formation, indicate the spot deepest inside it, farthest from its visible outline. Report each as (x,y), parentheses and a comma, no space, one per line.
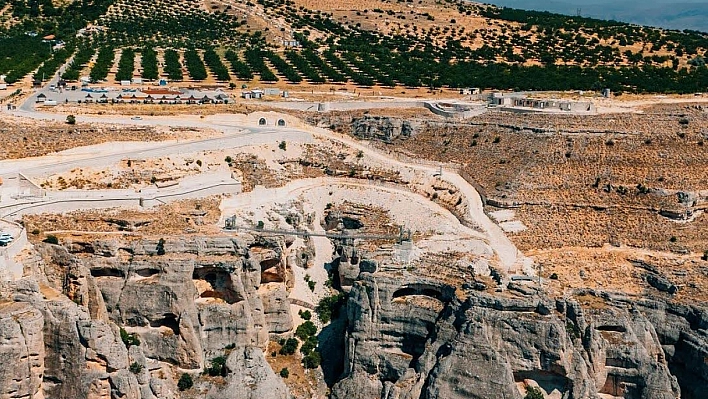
(118,319)
(482,345)
(382,128)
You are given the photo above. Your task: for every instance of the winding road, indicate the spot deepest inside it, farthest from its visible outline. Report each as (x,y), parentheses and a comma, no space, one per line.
(236,134)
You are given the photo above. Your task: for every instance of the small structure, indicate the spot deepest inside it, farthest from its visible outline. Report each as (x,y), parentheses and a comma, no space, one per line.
(88,98)
(285,94)
(103,99)
(36,83)
(607,93)
(291,43)
(262,122)
(470,91)
(246,95)
(137,81)
(272,92)
(125,83)
(162,82)
(257,94)
(41,98)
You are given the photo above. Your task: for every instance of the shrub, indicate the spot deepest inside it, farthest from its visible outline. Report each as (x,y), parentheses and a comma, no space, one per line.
(135,368)
(496,140)
(161,247)
(283,145)
(129,339)
(311,284)
(533,393)
(217,367)
(554,276)
(284,372)
(52,239)
(35,232)
(306,330)
(705,255)
(228,159)
(185,382)
(260,225)
(289,346)
(71,119)
(673,239)
(199,162)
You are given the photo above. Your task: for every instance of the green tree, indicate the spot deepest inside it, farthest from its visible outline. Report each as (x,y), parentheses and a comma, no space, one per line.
(185,382)
(71,119)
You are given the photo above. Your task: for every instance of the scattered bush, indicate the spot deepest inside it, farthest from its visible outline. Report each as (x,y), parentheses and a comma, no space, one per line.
(283,145)
(554,276)
(71,119)
(284,372)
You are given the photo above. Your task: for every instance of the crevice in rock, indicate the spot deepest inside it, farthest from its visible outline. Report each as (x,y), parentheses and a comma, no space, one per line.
(149,272)
(107,272)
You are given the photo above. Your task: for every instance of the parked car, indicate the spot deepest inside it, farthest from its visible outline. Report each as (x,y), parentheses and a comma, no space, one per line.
(5,235)
(137,118)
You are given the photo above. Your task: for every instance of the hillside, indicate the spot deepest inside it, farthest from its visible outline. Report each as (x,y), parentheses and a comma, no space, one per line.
(370,42)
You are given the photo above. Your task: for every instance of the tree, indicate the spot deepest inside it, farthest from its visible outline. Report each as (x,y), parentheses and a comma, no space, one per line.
(306,330)
(312,360)
(284,372)
(185,382)
(71,119)
(288,347)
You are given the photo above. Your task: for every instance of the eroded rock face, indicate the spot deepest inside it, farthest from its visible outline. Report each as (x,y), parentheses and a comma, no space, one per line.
(181,301)
(487,346)
(382,128)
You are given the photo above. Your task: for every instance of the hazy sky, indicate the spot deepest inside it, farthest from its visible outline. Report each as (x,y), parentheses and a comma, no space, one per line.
(674,14)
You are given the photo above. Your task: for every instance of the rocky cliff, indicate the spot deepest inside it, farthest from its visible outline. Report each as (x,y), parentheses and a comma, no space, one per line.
(118,318)
(472,344)
(125,319)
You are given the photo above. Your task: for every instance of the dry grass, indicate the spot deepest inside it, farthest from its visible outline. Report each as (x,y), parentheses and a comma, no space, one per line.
(177,218)
(24,139)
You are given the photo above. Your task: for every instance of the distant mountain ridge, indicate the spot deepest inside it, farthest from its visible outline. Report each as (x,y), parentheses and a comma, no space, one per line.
(685,14)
